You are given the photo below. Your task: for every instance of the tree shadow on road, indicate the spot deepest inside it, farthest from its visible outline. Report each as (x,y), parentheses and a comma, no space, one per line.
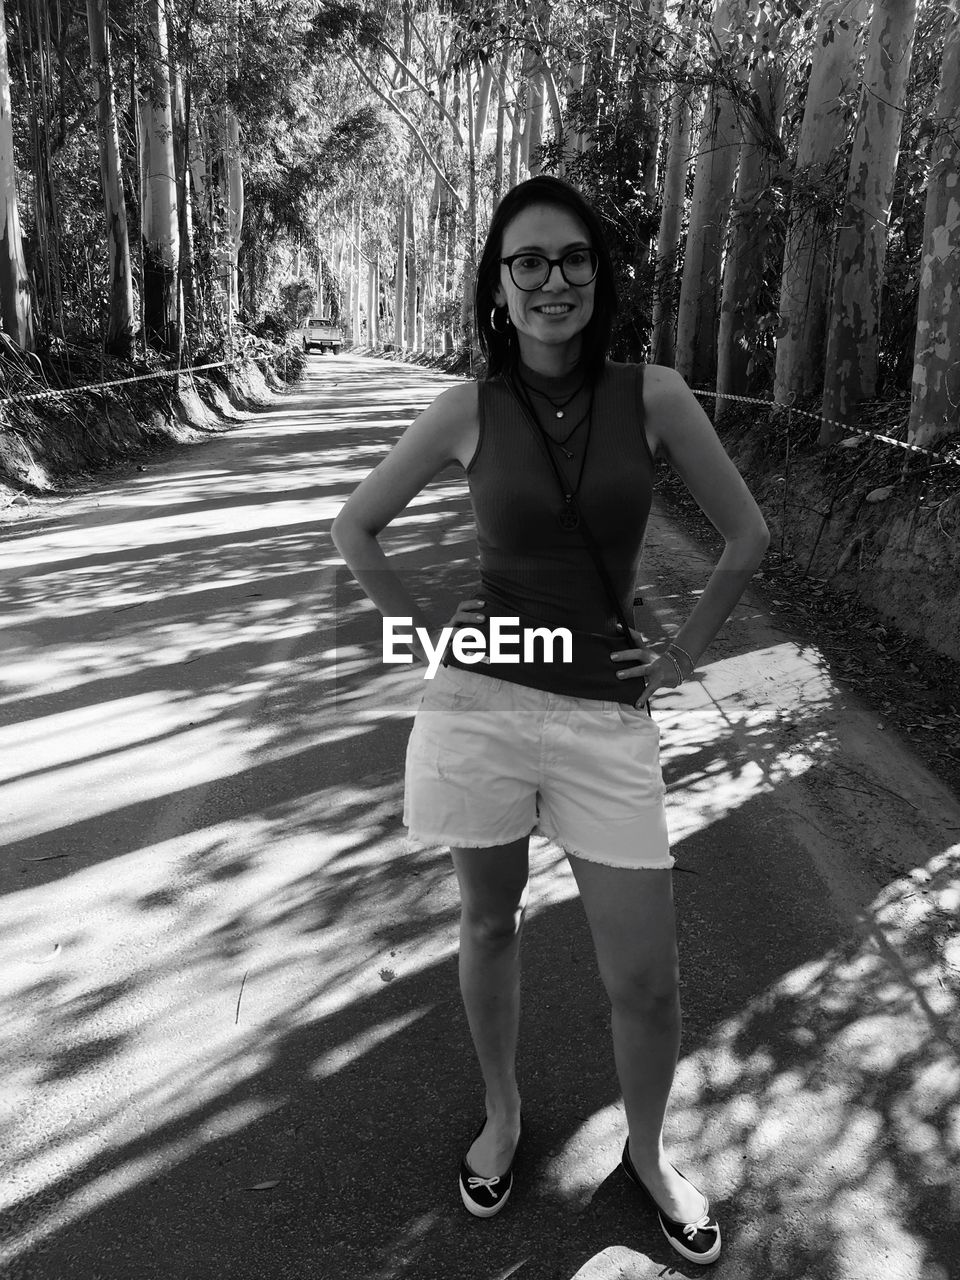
(224,971)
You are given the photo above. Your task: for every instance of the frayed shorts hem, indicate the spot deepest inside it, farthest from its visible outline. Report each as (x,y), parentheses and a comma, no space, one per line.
(421,840)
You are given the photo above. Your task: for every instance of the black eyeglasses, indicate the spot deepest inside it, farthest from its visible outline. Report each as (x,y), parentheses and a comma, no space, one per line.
(530,271)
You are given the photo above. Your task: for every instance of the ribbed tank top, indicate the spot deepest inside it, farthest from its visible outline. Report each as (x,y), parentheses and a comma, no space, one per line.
(531,567)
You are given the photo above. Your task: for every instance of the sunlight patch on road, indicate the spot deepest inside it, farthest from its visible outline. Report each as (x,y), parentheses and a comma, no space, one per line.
(823,1103)
(350,1051)
(748,723)
(827,1104)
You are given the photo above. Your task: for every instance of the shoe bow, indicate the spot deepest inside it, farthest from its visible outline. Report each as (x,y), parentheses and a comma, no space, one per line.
(476,1183)
(690,1229)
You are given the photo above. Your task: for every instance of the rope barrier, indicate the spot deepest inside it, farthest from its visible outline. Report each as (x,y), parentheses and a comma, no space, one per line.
(843,426)
(62,393)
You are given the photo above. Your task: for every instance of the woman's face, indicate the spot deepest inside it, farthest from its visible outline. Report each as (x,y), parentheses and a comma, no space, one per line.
(557,312)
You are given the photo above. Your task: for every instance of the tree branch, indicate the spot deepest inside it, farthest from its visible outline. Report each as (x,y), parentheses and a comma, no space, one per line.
(398,110)
(458,136)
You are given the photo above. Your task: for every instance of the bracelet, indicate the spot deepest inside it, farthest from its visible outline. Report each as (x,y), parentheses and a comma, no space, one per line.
(669,655)
(693,665)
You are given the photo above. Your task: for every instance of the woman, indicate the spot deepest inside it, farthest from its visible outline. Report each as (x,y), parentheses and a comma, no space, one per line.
(557,443)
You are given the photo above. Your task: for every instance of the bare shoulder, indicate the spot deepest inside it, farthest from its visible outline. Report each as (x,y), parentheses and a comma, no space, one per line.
(454,419)
(665,397)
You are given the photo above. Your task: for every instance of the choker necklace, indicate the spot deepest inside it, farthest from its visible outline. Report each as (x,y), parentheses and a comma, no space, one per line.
(558,406)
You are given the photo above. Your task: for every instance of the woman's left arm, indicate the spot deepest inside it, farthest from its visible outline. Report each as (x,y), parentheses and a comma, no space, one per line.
(688,439)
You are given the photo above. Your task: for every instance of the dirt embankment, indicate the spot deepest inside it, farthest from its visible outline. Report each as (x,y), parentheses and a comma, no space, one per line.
(864,561)
(52,444)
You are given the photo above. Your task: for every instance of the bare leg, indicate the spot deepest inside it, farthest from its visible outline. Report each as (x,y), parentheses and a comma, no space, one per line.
(631,917)
(493,893)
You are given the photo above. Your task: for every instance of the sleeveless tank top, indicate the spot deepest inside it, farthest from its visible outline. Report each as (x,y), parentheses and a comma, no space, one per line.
(532,568)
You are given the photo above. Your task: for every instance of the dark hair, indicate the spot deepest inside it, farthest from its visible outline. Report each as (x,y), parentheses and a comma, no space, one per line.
(501,349)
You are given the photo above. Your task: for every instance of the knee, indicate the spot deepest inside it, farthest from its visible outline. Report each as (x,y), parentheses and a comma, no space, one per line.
(651,997)
(492,927)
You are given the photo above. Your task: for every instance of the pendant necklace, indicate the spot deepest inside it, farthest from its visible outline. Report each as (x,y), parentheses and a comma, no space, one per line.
(560,443)
(558,406)
(568,517)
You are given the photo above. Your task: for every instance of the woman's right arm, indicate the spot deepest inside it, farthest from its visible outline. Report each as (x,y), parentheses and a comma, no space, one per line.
(446,431)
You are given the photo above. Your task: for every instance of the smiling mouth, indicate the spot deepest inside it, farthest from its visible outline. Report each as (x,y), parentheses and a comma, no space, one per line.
(554,308)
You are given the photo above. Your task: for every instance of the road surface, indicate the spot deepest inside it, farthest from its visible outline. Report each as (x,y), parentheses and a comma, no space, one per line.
(232,1040)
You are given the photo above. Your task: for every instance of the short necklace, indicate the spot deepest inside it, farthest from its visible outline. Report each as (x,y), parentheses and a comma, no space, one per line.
(560,443)
(568,517)
(559,406)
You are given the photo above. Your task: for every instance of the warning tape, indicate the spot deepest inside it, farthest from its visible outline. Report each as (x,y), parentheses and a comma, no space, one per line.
(62,393)
(843,426)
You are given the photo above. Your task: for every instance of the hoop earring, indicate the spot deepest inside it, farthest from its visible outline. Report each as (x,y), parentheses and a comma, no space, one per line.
(493,321)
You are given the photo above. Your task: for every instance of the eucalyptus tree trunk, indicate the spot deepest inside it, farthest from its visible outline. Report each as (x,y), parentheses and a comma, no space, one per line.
(533,126)
(936,370)
(16,312)
(160,227)
(400,276)
(232,169)
(501,123)
(470,257)
(709,206)
(483,106)
(750,224)
(373,301)
(412,281)
(851,361)
(668,237)
(120,319)
(573,136)
(805,280)
(516,146)
(180,113)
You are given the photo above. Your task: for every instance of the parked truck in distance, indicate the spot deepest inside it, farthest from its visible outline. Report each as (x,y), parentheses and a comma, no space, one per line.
(323,333)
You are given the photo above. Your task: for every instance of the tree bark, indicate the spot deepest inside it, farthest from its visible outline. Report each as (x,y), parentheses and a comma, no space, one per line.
(233,197)
(411,253)
(668,238)
(750,225)
(851,361)
(373,301)
(16,311)
(119,336)
(935,403)
(159,219)
(712,192)
(400,276)
(180,113)
(805,280)
(501,127)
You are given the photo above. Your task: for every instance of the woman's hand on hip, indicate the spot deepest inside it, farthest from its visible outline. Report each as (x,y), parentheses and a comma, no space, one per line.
(657,670)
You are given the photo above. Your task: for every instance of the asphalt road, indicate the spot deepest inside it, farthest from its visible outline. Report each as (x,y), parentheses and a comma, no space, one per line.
(232,1045)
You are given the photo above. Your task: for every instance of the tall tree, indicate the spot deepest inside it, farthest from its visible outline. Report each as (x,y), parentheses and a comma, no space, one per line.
(160,227)
(936,370)
(671,216)
(851,363)
(709,206)
(232,169)
(16,313)
(805,278)
(752,216)
(119,335)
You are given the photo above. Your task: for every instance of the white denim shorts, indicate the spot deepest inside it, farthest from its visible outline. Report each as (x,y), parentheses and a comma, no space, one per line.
(489,762)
